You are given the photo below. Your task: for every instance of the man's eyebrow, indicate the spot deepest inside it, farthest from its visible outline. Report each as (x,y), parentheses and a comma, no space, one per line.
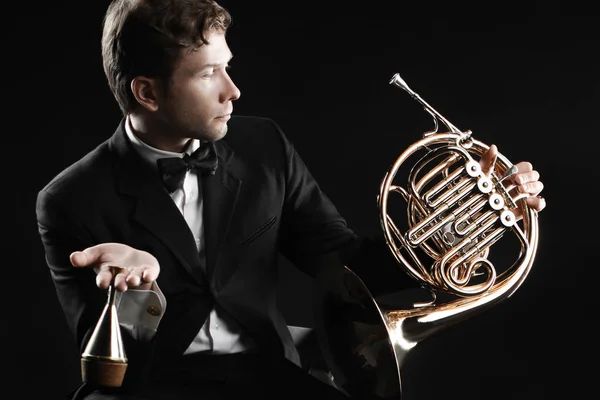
(216,65)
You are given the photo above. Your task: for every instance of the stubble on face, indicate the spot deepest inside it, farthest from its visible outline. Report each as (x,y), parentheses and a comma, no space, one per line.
(198,101)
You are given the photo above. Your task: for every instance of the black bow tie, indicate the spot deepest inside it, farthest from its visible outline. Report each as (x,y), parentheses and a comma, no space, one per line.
(172,170)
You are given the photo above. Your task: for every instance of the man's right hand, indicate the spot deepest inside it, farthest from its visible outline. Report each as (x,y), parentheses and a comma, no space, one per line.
(136,269)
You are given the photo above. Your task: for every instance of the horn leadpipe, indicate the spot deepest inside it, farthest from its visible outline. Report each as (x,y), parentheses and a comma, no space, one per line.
(399,82)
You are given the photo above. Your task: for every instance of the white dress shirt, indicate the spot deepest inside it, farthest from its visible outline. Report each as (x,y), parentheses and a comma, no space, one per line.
(140,311)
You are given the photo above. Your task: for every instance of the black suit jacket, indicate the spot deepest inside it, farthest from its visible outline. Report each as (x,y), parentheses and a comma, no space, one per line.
(262,201)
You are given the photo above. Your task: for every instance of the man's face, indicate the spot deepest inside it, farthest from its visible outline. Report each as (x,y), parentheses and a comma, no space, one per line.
(199,99)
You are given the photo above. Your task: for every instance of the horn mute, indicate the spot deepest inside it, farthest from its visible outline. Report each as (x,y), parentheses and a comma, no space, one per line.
(104,361)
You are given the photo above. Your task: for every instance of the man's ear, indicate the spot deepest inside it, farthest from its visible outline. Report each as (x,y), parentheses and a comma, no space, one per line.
(146,91)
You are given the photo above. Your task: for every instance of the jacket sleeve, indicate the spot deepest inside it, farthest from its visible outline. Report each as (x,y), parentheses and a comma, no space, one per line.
(61,234)
(82,302)
(315,235)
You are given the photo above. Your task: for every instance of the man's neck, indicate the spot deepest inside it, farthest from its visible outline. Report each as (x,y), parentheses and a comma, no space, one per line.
(152,132)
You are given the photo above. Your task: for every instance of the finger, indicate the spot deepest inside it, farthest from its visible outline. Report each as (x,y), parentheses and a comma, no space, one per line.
(522,178)
(488,159)
(150,274)
(134,277)
(143,277)
(121,280)
(530,188)
(537,203)
(524,166)
(518,212)
(104,276)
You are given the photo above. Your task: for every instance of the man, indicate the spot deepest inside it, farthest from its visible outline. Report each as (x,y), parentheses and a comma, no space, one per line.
(198,252)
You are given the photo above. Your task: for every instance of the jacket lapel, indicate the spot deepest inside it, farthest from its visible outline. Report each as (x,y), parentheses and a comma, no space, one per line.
(154,207)
(220,193)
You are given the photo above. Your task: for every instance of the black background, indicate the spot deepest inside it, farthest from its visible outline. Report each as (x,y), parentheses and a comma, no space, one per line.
(519,74)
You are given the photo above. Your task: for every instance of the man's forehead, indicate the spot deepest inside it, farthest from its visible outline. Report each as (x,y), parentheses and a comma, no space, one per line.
(214,53)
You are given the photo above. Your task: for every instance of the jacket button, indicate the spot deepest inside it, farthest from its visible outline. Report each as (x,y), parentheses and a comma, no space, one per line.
(155,311)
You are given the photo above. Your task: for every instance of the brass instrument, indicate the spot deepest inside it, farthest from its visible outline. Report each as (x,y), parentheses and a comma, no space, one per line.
(453,213)
(104,362)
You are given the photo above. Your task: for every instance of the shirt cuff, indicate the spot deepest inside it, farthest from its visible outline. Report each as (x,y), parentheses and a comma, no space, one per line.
(141,308)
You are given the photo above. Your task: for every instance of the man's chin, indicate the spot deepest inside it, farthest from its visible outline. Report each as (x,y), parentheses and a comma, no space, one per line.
(220,132)
(214,134)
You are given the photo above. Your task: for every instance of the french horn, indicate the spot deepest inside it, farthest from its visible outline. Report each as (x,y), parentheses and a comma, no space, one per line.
(440,214)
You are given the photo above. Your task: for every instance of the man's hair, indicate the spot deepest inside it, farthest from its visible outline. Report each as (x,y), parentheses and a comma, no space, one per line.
(148,37)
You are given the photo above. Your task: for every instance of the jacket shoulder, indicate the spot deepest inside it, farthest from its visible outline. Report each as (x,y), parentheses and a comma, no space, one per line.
(79,176)
(258,138)
(252,129)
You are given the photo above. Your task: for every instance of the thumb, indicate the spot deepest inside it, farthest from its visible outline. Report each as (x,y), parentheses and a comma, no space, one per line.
(488,160)
(78,259)
(85,258)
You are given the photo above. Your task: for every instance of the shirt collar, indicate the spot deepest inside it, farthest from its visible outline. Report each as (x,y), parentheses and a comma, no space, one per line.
(151,154)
